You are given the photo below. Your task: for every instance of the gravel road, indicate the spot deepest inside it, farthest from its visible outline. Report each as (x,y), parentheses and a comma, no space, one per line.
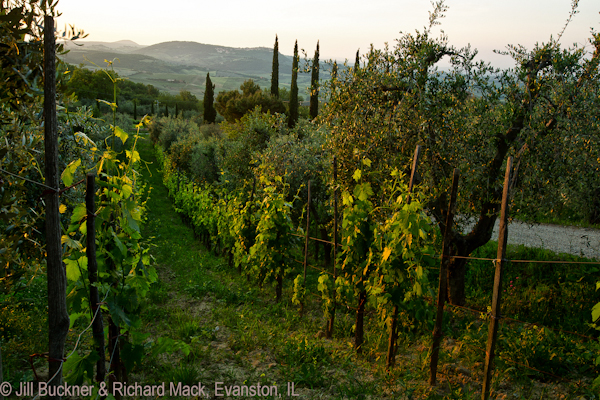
(560,239)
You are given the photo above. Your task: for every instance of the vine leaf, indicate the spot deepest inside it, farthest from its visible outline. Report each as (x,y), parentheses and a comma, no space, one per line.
(79,366)
(386,253)
(121,134)
(67,175)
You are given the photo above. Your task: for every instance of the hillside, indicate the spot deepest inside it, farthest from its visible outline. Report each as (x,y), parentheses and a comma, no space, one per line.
(175,66)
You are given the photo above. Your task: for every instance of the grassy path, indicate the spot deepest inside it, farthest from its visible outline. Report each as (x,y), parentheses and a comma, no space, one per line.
(237,333)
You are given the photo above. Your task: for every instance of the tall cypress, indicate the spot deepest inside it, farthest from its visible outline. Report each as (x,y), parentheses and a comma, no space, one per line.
(314,86)
(135,109)
(293,117)
(210,114)
(357,62)
(275,70)
(166,110)
(152,108)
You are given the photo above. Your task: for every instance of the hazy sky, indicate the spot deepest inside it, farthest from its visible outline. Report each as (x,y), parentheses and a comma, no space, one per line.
(341,26)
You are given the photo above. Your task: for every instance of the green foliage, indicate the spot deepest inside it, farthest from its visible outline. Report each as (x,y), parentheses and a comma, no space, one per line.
(210,114)
(270,256)
(306,363)
(472,117)
(275,70)
(233,105)
(314,86)
(293,107)
(246,138)
(404,244)
(90,85)
(169,130)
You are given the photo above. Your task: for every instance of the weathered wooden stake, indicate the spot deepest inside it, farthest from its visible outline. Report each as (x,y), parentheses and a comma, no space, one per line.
(331,323)
(97,324)
(306,245)
(442,285)
(391,355)
(496,296)
(58,317)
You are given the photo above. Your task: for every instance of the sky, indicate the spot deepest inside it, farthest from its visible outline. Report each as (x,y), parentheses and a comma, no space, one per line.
(341,26)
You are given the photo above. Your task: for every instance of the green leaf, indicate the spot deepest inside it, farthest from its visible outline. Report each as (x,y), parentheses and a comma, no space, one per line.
(74,267)
(121,134)
(133,156)
(117,313)
(67,175)
(118,242)
(596,312)
(78,213)
(73,244)
(77,367)
(357,175)
(132,355)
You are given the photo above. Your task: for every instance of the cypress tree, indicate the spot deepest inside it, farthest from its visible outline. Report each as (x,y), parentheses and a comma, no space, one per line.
(210,114)
(275,70)
(293,117)
(314,86)
(357,62)
(176,110)
(166,110)
(135,109)
(152,108)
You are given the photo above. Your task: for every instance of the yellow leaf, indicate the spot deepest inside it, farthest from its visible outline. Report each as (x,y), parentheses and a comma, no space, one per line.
(62,209)
(386,253)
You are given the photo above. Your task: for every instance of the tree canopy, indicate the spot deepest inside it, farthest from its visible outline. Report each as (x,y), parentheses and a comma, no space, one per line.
(233,104)
(472,117)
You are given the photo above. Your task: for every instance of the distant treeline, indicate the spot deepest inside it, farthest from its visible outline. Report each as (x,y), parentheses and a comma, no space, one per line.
(89,86)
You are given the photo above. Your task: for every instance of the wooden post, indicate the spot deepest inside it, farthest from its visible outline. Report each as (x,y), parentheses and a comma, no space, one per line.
(496,296)
(306,244)
(442,285)
(331,323)
(391,355)
(58,317)
(97,324)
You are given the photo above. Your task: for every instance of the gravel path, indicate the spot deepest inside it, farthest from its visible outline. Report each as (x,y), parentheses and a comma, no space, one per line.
(560,239)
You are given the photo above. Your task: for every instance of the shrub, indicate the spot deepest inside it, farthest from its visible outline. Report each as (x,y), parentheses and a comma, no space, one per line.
(168,130)
(203,161)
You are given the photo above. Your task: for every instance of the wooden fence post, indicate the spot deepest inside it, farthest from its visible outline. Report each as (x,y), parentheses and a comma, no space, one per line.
(306,245)
(97,324)
(496,297)
(391,355)
(58,317)
(442,285)
(331,323)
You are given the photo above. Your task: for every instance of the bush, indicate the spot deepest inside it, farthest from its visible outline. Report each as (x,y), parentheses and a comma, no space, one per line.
(211,131)
(203,158)
(181,151)
(168,130)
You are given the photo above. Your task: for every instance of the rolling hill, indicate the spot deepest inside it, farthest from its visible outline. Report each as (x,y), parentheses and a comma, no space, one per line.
(176,66)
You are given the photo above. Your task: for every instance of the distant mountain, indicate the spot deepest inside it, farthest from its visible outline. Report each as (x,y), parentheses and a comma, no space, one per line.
(175,66)
(121,46)
(211,57)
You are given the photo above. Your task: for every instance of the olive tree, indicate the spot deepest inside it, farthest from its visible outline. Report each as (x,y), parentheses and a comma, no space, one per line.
(472,116)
